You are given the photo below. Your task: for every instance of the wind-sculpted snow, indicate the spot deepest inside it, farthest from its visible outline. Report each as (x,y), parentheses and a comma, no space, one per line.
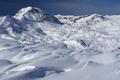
(37,46)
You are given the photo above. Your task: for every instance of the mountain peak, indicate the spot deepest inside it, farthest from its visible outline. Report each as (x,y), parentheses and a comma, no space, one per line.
(30,13)
(93,16)
(35,14)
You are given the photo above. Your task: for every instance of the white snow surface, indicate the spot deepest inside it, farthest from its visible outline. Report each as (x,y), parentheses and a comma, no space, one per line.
(37,46)
(22,12)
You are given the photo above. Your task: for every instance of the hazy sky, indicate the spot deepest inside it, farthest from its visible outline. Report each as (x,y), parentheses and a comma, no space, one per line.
(71,7)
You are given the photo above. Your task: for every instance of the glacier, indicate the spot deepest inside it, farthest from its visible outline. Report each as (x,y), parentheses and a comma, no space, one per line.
(35,45)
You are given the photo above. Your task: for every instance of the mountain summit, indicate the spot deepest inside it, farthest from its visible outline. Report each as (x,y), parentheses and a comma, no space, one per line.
(35,14)
(31,13)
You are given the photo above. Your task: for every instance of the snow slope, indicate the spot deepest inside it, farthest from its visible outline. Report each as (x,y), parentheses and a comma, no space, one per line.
(37,46)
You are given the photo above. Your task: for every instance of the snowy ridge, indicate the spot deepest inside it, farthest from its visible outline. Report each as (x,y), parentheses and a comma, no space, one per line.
(35,14)
(37,46)
(21,13)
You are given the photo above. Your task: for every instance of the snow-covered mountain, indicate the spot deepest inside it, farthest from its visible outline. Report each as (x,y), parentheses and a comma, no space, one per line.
(35,45)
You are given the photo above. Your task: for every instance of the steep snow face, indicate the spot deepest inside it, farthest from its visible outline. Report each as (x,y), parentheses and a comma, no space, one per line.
(35,14)
(37,46)
(2,19)
(31,13)
(19,30)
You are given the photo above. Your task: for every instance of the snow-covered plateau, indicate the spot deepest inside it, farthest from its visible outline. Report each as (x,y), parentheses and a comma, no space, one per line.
(35,45)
